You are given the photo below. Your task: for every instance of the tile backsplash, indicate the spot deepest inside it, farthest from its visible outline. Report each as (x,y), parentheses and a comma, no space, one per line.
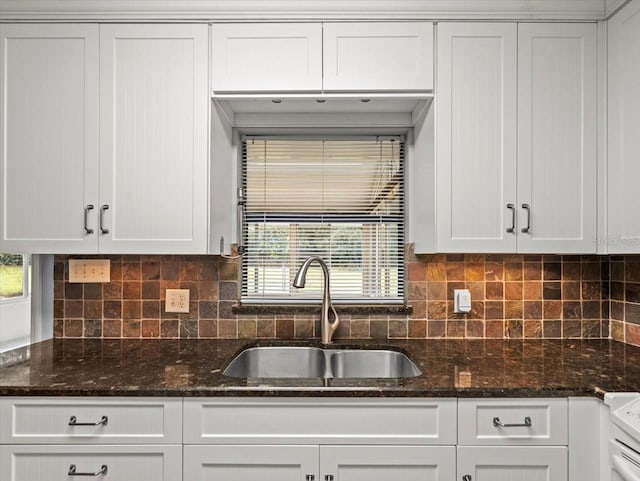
(625,299)
(513,296)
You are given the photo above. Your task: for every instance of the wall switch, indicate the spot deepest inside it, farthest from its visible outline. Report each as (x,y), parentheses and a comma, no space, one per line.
(461,300)
(177,300)
(89,270)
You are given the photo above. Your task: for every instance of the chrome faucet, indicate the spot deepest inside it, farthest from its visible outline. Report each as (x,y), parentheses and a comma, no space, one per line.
(327,328)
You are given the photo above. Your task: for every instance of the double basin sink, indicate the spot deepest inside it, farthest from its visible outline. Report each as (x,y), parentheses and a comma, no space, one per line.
(316,362)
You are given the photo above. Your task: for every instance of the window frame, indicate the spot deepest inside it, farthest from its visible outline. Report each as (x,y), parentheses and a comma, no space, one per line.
(327,134)
(27,276)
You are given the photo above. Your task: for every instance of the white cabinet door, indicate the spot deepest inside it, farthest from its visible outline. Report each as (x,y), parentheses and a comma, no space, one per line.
(624,130)
(378,56)
(512,463)
(557,122)
(266,57)
(53,463)
(153,138)
(49,138)
(476,136)
(250,463)
(384,463)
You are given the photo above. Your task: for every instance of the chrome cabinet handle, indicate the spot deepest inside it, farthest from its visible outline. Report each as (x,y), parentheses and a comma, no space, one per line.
(101,221)
(310,477)
(499,424)
(512,229)
(73,472)
(526,229)
(466,477)
(328,477)
(86,220)
(73,421)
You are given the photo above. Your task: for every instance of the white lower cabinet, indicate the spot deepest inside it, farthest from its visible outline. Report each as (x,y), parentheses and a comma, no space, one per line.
(539,463)
(309,463)
(116,463)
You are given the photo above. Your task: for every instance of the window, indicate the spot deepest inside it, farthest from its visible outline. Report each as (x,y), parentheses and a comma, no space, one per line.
(339,198)
(15,275)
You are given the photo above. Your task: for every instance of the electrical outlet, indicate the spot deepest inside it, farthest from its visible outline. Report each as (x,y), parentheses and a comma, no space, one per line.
(89,270)
(177,300)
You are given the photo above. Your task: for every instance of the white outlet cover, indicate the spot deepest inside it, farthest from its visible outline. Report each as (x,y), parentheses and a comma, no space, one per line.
(89,270)
(177,300)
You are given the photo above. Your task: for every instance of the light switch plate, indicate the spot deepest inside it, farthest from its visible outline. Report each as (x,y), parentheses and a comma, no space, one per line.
(89,270)
(177,300)
(461,300)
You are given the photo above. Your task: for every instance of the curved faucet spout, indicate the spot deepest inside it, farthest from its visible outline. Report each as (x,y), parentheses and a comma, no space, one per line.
(327,328)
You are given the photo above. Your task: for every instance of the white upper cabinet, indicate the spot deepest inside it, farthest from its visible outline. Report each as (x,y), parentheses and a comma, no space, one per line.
(557,138)
(153,138)
(378,56)
(49,138)
(267,57)
(316,57)
(476,136)
(516,121)
(624,130)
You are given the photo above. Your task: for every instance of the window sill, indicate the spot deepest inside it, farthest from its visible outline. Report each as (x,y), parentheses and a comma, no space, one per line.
(369,309)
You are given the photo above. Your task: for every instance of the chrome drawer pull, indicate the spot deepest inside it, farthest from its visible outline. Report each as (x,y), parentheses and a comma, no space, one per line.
(310,477)
(73,421)
(527,229)
(328,477)
(101,219)
(73,472)
(466,477)
(499,424)
(86,222)
(512,229)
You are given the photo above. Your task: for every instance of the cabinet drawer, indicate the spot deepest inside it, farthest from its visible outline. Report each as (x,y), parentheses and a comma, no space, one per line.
(126,421)
(319,421)
(53,463)
(504,422)
(540,463)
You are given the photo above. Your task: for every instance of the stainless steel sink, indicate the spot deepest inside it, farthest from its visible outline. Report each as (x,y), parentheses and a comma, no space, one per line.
(315,362)
(372,363)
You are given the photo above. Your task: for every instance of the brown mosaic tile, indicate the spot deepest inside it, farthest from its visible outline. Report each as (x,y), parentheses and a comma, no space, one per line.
(552,271)
(112,328)
(151,290)
(571,271)
(131,309)
(58,328)
(514,329)
(73,309)
(170,328)
(532,329)
(494,310)
(93,292)
(551,291)
(494,329)
(590,329)
(456,328)
(632,313)
(494,271)
(532,271)
(436,272)
(378,329)
(229,271)
(112,290)
(455,271)
(247,328)
(131,271)
(475,329)
(513,291)
(552,329)
(552,310)
(151,272)
(437,309)
(571,328)
(570,290)
(93,310)
(208,328)
(285,329)
(474,271)
(417,329)
(398,329)
(92,328)
(150,328)
(532,310)
(632,334)
(513,272)
(591,291)
(532,290)
(437,291)
(131,290)
(225,310)
(436,328)
(131,328)
(494,290)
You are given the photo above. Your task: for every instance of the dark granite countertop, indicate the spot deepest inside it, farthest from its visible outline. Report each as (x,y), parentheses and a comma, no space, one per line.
(451,368)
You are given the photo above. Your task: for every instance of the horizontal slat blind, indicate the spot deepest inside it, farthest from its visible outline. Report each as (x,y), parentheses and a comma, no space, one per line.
(340,199)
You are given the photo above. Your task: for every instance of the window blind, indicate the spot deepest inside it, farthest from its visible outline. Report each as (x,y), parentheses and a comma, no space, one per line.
(340,199)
